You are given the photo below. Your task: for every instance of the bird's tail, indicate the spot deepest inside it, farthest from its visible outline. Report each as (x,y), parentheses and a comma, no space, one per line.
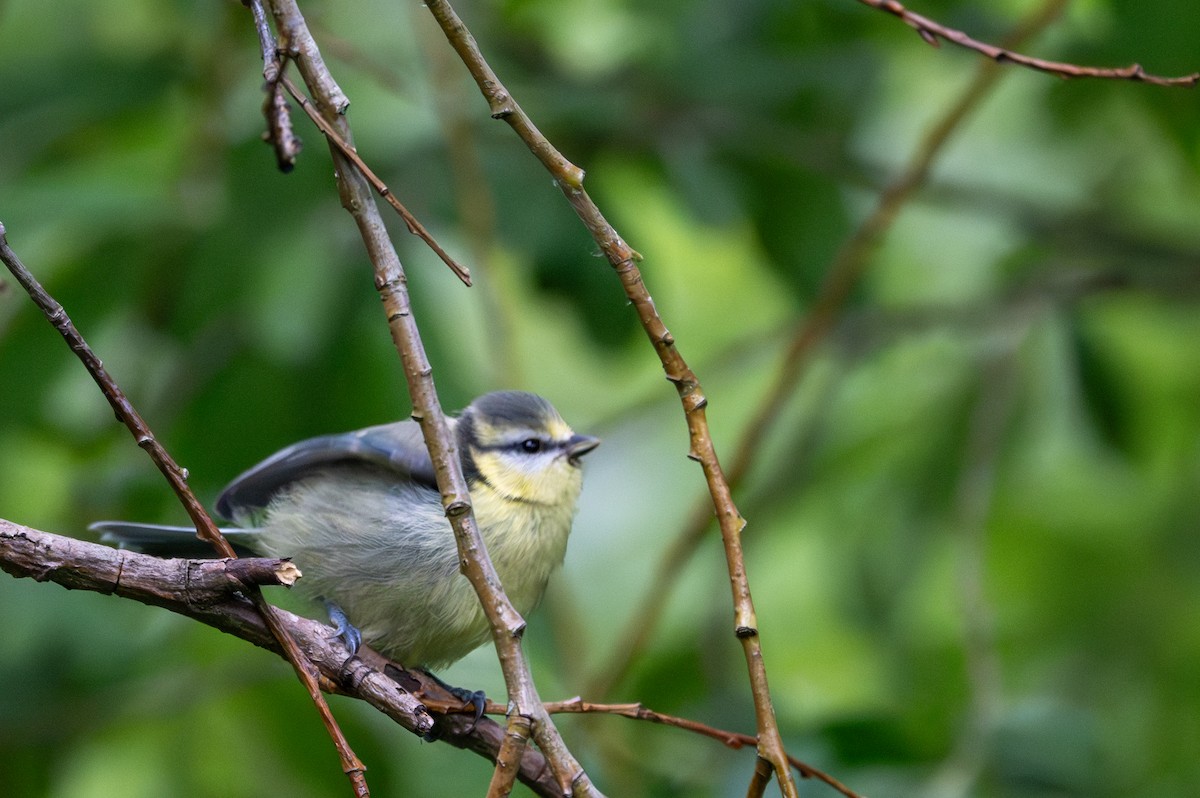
(170,541)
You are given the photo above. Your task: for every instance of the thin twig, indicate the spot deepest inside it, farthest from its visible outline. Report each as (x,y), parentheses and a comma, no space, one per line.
(176,477)
(623,259)
(734,740)
(515,738)
(761,778)
(391,282)
(932,32)
(414,226)
(280,134)
(842,277)
(288,146)
(206,530)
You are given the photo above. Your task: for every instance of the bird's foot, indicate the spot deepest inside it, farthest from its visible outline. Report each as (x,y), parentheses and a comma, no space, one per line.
(475,698)
(347,631)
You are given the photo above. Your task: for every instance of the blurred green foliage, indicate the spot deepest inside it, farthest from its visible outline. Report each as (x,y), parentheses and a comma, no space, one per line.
(973,529)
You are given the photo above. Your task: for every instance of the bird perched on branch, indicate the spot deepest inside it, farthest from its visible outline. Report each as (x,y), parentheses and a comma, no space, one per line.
(361,516)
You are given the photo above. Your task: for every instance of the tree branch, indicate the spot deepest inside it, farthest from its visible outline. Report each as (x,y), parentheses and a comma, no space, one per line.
(391,282)
(623,259)
(279,131)
(842,277)
(214,593)
(933,32)
(734,740)
(209,591)
(350,153)
(206,530)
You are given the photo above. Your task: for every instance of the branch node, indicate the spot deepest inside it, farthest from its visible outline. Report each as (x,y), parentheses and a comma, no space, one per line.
(263,571)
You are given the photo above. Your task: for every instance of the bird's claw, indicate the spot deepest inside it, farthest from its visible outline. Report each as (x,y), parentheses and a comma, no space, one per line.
(346,631)
(475,698)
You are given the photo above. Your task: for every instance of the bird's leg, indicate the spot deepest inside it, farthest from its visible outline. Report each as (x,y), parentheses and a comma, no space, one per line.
(347,631)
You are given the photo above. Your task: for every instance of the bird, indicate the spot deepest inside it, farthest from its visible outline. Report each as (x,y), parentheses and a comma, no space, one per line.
(360,514)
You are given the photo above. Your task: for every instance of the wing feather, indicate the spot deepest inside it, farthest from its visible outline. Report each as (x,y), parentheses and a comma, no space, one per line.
(397,447)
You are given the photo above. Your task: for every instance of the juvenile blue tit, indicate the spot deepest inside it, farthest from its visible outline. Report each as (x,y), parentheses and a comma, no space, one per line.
(361,516)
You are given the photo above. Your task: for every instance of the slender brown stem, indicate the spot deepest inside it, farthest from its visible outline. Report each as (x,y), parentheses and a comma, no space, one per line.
(761,778)
(842,277)
(623,259)
(414,226)
(206,530)
(933,32)
(391,282)
(734,740)
(515,738)
(280,134)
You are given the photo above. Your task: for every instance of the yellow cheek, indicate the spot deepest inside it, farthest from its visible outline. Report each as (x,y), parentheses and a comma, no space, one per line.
(558,483)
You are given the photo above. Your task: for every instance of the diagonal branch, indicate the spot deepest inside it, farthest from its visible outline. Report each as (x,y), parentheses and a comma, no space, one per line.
(391,282)
(734,740)
(841,278)
(414,226)
(212,592)
(126,413)
(933,32)
(287,146)
(623,259)
(206,530)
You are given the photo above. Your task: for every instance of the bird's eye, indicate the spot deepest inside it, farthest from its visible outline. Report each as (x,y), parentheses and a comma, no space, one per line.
(531,445)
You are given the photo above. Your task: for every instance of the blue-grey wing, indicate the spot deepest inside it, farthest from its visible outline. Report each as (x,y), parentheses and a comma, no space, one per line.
(397,447)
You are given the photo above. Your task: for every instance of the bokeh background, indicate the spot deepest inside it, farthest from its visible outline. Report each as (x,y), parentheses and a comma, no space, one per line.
(973,525)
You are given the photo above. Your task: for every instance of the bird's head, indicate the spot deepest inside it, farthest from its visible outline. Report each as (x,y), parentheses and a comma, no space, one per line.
(518,444)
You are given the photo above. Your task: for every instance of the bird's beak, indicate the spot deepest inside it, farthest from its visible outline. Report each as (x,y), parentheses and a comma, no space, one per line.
(579,445)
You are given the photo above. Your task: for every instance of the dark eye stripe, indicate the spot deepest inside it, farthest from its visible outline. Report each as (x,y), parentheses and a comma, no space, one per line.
(530,445)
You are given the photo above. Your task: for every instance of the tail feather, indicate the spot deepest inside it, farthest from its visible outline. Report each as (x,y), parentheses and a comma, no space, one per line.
(170,541)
